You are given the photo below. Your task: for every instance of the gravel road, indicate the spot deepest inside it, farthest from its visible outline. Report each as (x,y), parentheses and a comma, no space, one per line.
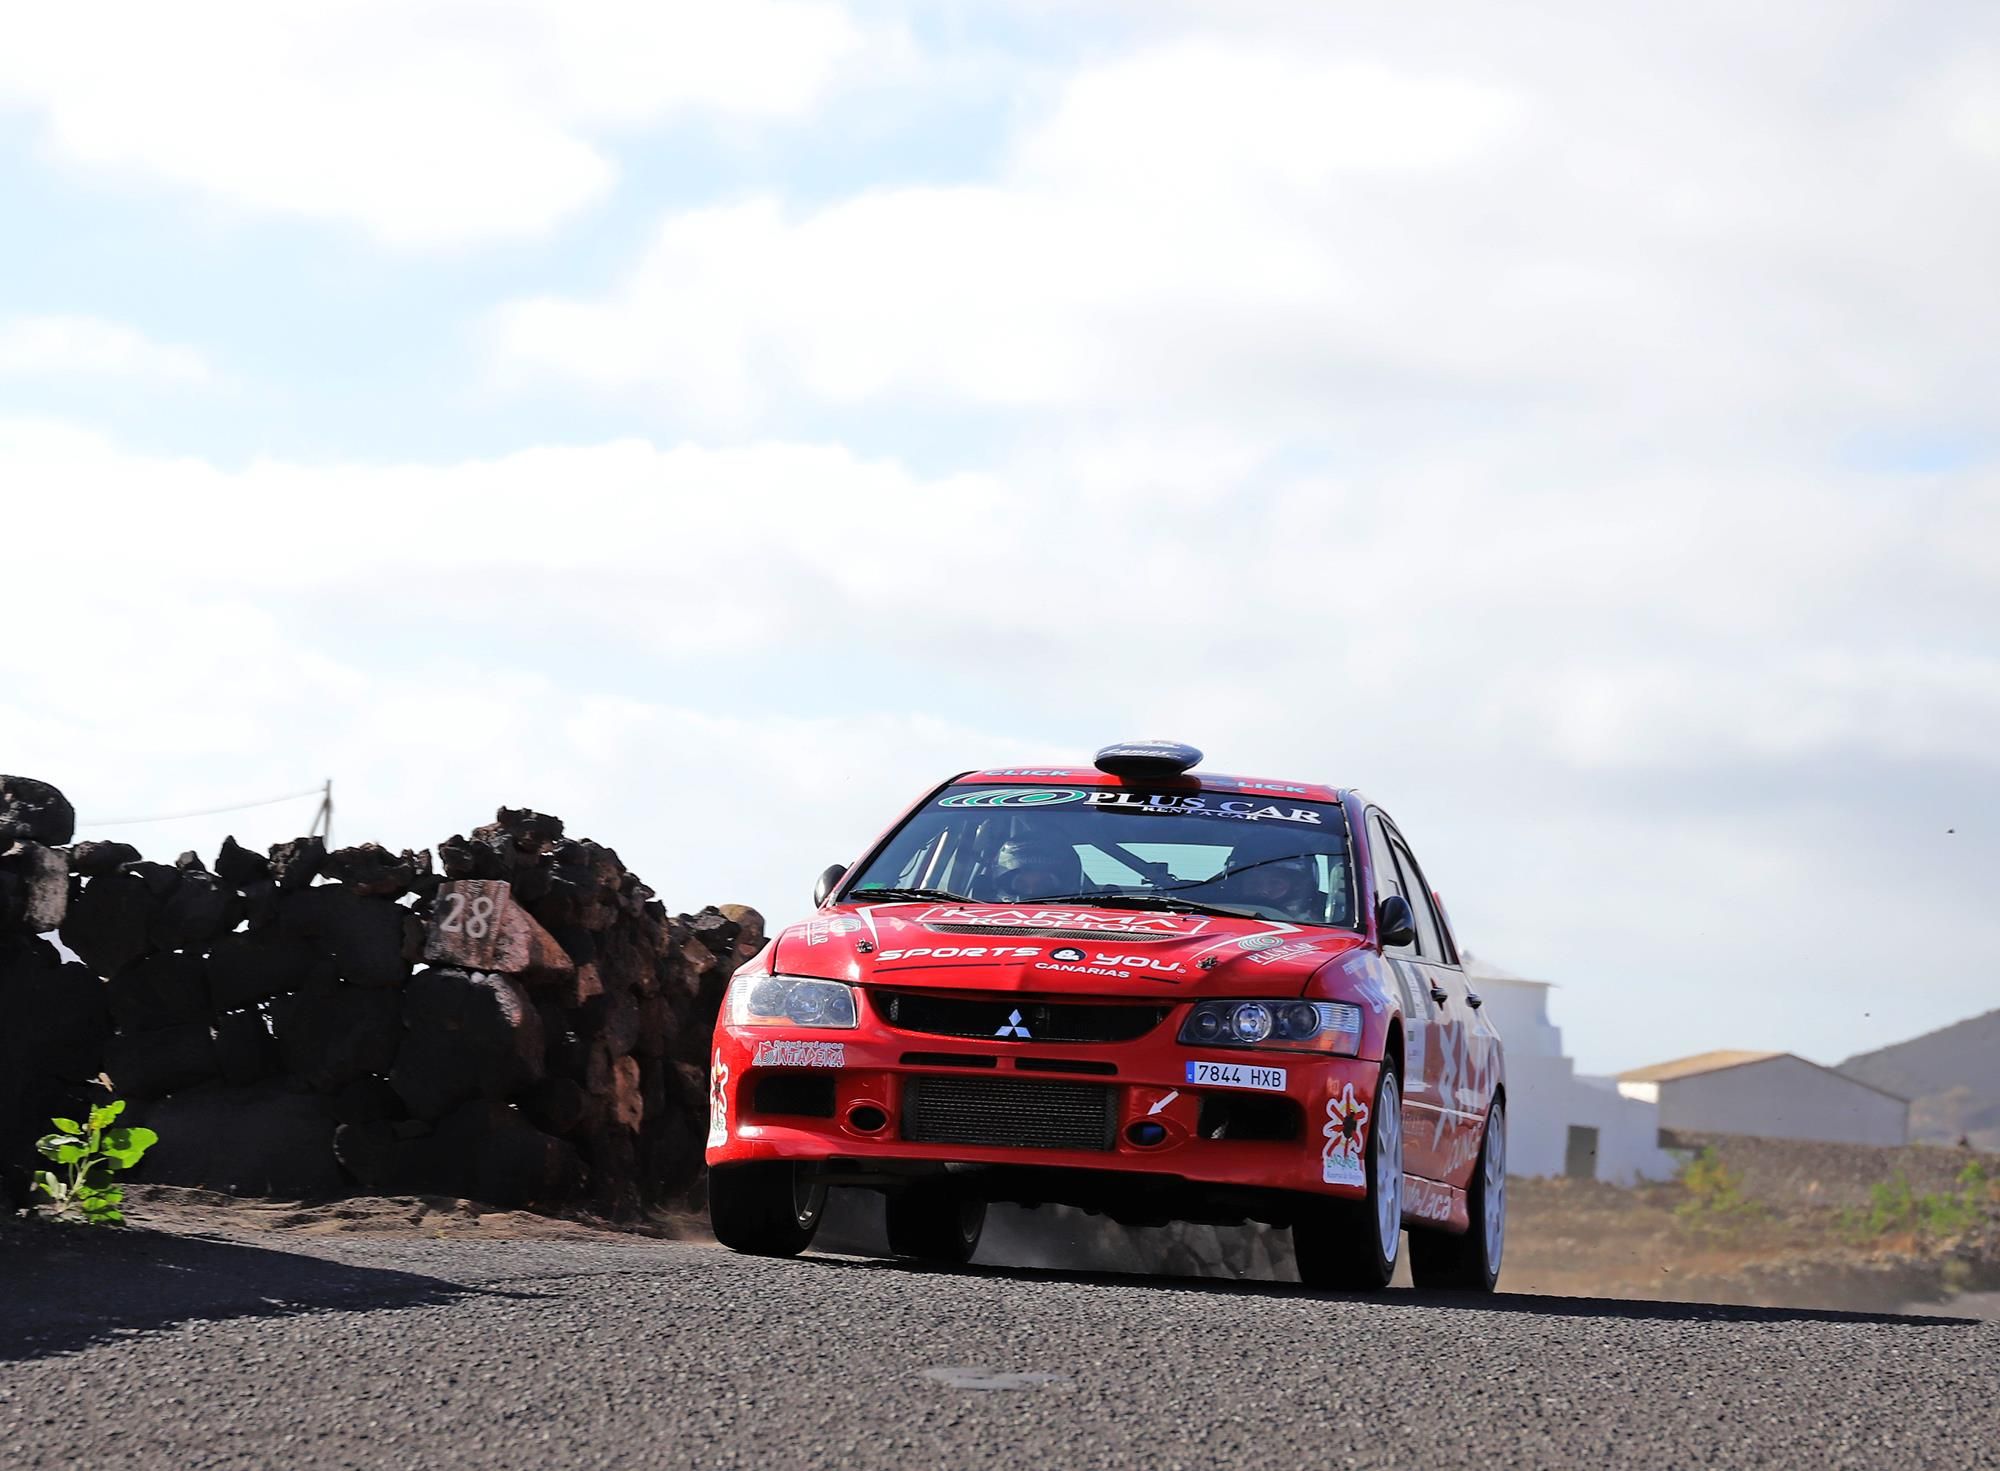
(363,1351)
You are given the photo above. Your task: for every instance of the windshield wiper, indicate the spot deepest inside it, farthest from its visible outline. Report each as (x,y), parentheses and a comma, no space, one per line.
(895,893)
(1169,902)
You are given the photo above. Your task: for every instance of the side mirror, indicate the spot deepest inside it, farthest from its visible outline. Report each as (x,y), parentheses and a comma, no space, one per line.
(828,882)
(1395,922)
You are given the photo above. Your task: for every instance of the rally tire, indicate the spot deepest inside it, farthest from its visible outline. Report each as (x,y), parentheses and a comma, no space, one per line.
(1470,1262)
(764,1209)
(934,1225)
(1352,1245)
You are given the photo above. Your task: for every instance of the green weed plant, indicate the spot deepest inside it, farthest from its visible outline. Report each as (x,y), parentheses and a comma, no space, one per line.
(1714,1192)
(87,1156)
(1893,1206)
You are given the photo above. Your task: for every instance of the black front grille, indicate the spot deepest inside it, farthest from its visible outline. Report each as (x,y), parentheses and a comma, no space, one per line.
(1040,932)
(1009,1112)
(1017,1018)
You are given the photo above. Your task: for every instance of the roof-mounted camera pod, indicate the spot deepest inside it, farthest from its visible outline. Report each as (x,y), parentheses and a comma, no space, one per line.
(1147,758)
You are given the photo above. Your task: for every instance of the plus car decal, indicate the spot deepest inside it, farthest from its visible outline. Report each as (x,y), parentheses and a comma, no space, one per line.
(1344,1159)
(1176,805)
(785,1053)
(718,1103)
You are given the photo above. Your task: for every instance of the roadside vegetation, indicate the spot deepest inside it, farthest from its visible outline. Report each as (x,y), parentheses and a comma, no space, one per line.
(1714,1194)
(1894,1208)
(87,1156)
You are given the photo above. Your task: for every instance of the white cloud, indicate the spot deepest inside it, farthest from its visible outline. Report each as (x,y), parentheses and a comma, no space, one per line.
(427,124)
(66,346)
(1641,739)
(1300,228)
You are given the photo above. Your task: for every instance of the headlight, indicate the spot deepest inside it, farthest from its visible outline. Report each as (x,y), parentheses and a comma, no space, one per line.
(789,1001)
(1304,1026)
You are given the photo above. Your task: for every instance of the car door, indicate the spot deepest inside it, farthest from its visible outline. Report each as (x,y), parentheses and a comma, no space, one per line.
(1423,1017)
(1459,1037)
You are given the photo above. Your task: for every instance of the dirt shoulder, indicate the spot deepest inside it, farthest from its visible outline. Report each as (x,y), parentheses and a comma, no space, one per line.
(1758,1223)
(180,1211)
(1769,1223)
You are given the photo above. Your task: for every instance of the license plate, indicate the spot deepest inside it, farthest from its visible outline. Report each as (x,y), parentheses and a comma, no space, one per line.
(1236,1075)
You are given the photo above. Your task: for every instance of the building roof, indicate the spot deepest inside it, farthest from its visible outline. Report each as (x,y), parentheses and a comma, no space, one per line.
(1715,1062)
(1688,1067)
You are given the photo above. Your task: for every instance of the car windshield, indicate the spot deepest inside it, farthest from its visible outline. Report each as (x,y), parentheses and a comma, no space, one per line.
(1259,856)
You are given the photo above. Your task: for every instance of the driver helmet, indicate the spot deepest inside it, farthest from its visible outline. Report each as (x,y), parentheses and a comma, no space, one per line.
(1273,879)
(1035,868)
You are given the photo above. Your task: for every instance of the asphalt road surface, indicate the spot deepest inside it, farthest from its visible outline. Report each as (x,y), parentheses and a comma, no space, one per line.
(351,1351)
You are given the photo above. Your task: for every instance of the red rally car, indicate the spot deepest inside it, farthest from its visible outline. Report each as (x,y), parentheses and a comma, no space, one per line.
(1134,988)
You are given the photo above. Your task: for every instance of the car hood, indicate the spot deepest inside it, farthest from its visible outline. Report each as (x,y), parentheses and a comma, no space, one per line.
(1057,950)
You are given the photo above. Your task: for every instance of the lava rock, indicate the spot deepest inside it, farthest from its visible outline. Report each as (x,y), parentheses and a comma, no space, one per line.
(34,887)
(531,832)
(163,989)
(583,886)
(54,1021)
(482,1151)
(255,965)
(34,811)
(367,1100)
(92,860)
(297,863)
(198,910)
(329,1035)
(263,1140)
(556,1105)
(370,868)
(245,1050)
(370,940)
(260,904)
(108,923)
(477,857)
(160,879)
(148,1064)
(469,1035)
(239,866)
(614,1018)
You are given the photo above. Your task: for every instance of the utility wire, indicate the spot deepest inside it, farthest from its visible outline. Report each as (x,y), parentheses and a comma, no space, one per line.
(204,812)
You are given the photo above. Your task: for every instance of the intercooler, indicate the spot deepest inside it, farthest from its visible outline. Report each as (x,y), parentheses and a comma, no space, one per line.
(1009,1113)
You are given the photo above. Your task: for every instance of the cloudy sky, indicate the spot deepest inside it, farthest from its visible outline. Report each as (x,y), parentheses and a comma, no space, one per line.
(1575,427)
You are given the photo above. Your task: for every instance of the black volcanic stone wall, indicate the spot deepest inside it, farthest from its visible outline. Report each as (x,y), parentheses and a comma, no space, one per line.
(519,1022)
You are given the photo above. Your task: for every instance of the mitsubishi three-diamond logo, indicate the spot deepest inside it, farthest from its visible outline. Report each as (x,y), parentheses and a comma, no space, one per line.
(1013,1027)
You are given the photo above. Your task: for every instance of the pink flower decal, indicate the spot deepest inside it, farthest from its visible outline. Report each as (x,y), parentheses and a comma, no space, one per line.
(718,1103)
(1346,1128)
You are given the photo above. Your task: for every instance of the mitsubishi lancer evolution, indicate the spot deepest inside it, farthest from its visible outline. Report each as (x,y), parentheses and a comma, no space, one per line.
(1135,988)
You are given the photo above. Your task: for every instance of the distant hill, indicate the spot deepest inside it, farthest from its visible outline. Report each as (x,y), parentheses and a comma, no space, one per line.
(1951,1077)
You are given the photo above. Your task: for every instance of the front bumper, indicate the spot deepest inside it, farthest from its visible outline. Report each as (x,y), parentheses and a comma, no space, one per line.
(842,1099)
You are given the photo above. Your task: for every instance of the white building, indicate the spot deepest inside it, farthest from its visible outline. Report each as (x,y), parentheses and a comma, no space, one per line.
(1560,1122)
(1776,1095)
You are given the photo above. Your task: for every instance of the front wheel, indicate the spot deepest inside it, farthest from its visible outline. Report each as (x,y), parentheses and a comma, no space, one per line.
(934,1225)
(1471,1262)
(764,1209)
(1351,1245)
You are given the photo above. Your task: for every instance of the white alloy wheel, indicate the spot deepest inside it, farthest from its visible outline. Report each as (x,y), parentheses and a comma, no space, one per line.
(1494,1181)
(1388,1171)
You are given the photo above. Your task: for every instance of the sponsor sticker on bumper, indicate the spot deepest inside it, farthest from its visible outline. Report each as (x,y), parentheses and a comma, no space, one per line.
(1236,1075)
